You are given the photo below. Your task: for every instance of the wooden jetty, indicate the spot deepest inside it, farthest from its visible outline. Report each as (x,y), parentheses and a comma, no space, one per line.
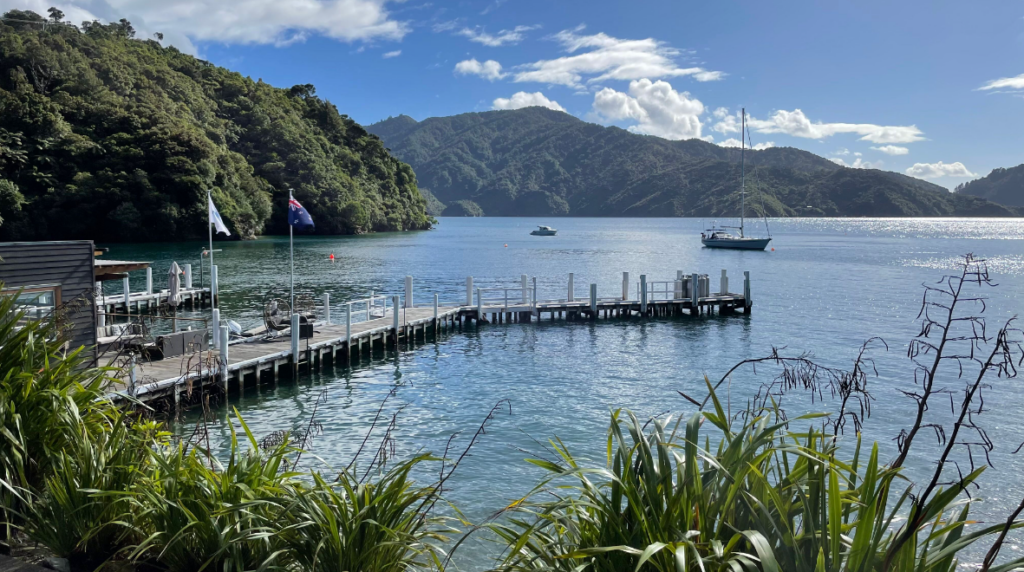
(128,302)
(390,321)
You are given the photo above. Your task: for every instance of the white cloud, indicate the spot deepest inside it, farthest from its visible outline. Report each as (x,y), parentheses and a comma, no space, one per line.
(727,123)
(393,54)
(277,22)
(892,150)
(843,151)
(1005,83)
(513,36)
(857,164)
(523,99)
(940,169)
(733,142)
(657,108)
(796,124)
(606,58)
(489,70)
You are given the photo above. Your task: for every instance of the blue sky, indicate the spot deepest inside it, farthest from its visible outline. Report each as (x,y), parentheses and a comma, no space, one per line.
(934,89)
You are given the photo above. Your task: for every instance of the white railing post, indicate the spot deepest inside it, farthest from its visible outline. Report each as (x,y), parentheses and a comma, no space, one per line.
(348,322)
(327,308)
(224,355)
(570,298)
(643,294)
(534,292)
(469,291)
(724,284)
(506,298)
(213,284)
(625,286)
(526,288)
(694,290)
(188,276)
(295,342)
(408,292)
(215,327)
(127,294)
(678,285)
(593,300)
(435,312)
(149,280)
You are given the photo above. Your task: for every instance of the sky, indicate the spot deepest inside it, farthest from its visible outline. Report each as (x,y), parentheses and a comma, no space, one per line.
(932,89)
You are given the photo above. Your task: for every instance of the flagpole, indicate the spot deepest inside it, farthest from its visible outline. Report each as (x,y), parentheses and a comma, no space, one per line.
(209,227)
(291,253)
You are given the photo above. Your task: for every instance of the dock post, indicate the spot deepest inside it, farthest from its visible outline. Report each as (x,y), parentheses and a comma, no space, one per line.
(679,285)
(469,291)
(570,298)
(224,358)
(526,288)
(215,327)
(724,284)
(643,294)
(149,281)
(625,286)
(408,292)
(479,308)
(214,285)
(127,294)
(747,303)
(535,295)
(694,295)
(188,276)
(327,308)
(295,345)
(394,307)
(435,313)
(593,301)
(348,326)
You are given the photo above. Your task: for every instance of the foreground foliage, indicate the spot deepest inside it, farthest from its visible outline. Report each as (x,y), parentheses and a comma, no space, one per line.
(108,137)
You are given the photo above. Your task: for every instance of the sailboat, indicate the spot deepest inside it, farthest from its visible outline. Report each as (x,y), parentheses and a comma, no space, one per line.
(719,237)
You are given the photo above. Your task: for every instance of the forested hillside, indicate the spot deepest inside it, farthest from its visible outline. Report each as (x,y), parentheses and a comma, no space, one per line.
(539,162)
(107,137)
(1003,186)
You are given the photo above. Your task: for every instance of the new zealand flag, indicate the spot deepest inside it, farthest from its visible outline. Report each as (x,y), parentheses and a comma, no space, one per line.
(297,215)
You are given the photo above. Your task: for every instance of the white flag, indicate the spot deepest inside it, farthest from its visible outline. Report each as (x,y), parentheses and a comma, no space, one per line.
(216,220)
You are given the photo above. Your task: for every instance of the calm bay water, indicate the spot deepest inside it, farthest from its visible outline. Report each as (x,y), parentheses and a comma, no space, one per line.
(829,285)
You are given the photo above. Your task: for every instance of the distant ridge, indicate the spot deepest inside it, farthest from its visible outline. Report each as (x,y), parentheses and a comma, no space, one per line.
(1003,186)
(539,162)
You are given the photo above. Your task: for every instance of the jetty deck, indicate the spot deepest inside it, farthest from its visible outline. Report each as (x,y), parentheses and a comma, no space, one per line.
(391,321)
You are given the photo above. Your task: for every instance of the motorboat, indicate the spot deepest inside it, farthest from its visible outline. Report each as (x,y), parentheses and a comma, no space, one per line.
(544,231)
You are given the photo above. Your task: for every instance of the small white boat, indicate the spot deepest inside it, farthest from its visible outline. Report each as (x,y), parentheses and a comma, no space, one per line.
(544,231)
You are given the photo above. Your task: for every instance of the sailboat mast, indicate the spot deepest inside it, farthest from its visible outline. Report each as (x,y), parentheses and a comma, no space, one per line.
(743,188)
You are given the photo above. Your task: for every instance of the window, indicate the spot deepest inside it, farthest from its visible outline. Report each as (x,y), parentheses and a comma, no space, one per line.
(38,302)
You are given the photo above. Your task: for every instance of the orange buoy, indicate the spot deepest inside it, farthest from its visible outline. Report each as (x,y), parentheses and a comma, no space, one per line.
(506,246)
(773,249)
(332,256)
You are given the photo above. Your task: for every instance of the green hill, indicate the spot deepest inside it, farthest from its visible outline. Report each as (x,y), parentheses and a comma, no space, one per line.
(1003,186)
(108,137)
(539,162)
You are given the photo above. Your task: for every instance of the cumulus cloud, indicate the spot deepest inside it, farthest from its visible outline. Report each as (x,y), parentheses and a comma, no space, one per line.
(1005,83)
(940,169)
(275,22)
(393,54)
(656,107)
(733,142)
(489,70)
(857,164)
(797,124)
(892,149)
(512,37)
(523,99)
(600,57)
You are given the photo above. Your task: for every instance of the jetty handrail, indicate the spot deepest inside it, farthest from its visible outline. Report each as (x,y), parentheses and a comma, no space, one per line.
(666,289)
(519,296)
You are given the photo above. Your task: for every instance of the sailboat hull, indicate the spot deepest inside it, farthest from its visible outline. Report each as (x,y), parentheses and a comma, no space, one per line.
(737,243)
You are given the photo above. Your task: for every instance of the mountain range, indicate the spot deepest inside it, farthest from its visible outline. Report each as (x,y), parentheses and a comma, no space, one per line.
(540,162)
(1004,186)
